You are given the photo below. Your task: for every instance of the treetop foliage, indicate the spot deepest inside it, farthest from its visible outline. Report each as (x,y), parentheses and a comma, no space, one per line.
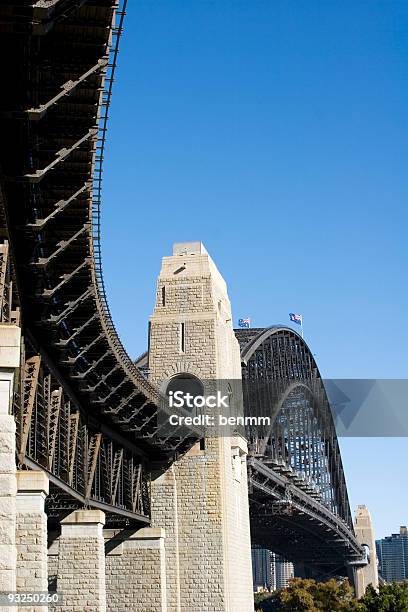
(306,595)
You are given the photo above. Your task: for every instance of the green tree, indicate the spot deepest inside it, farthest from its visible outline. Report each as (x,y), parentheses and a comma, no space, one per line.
(311,596)
(267,602)
(389,598)
(298,597)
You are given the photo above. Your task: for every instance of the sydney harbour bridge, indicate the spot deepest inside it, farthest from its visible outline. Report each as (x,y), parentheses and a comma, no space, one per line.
(86,415)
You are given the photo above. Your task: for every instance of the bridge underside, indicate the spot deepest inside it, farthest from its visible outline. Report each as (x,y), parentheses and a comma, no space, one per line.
(286,520)
(84,413)
(298,496)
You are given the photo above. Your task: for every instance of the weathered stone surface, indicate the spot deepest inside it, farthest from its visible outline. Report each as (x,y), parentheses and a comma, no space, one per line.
(7,441)
(365,536)
(202,500)
(7,507)
(7,463)
(81,562)
(7,424)
(31,534)
(7,557)
(8,485)
(10,336)
(83,517)
(33,481)
(10,339)
(8,490)
(8,580)
(135,572)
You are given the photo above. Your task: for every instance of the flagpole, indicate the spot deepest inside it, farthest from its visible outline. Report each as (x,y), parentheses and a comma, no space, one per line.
(301,325)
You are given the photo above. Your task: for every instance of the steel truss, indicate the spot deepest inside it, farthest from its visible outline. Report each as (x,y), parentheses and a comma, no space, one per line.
(318,536)
(97,468)
(296,474)
(57,85)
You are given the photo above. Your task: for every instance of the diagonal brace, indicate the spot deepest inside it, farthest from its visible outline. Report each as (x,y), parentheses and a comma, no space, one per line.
(35,114)
(38,175)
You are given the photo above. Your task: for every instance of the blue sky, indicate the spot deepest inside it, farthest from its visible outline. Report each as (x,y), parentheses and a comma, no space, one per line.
(276,133)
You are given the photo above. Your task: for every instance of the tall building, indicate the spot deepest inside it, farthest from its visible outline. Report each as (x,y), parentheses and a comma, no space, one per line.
(284,571)
(392,553)
(261,569)
(269,570)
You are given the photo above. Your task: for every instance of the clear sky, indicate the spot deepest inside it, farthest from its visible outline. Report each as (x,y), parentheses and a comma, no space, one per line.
(276,132)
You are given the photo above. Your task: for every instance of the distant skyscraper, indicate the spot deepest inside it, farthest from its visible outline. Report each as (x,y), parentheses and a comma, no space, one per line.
(270,570)
(273,571)
(392,553)
(261,568)
(284,571)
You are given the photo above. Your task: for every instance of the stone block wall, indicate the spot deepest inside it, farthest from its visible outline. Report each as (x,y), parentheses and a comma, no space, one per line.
(135,572)
(8,491)
(10,339)
(52,558)
(31,541)
(81,562)
(77,569)
(164,510)
(166,362)
(365,536)
(202,501)
(194,531)
(31,534)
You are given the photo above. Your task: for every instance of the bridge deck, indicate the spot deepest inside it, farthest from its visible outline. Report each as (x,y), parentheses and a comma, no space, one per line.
(56,87)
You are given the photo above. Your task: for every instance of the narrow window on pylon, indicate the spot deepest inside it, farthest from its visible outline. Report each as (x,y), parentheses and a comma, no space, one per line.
(182,338)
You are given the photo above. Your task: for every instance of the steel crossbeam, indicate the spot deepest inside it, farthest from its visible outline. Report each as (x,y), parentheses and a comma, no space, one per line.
(62,246)
(60,156)
(59,207)
(35,114)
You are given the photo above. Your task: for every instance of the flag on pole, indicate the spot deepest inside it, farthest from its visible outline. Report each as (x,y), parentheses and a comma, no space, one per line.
(295,318)
(244,323)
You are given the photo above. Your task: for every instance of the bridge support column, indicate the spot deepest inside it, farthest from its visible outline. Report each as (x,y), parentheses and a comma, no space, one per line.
(81,562)
(363,576)
(135,571)
(31,533)
(202,500)
(10,336)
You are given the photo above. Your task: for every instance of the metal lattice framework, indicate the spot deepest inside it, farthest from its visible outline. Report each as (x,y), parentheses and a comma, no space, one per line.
(85,412)
(299,502)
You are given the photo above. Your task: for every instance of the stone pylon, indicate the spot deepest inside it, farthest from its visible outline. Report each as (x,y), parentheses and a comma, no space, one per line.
(365,536)
(10,339)
(202,500)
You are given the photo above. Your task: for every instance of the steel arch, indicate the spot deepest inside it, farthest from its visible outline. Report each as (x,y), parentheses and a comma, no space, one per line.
(296,476)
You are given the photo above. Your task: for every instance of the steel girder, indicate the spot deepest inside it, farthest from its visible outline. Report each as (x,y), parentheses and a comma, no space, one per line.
(57,83)
(288,520)
(296,477)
